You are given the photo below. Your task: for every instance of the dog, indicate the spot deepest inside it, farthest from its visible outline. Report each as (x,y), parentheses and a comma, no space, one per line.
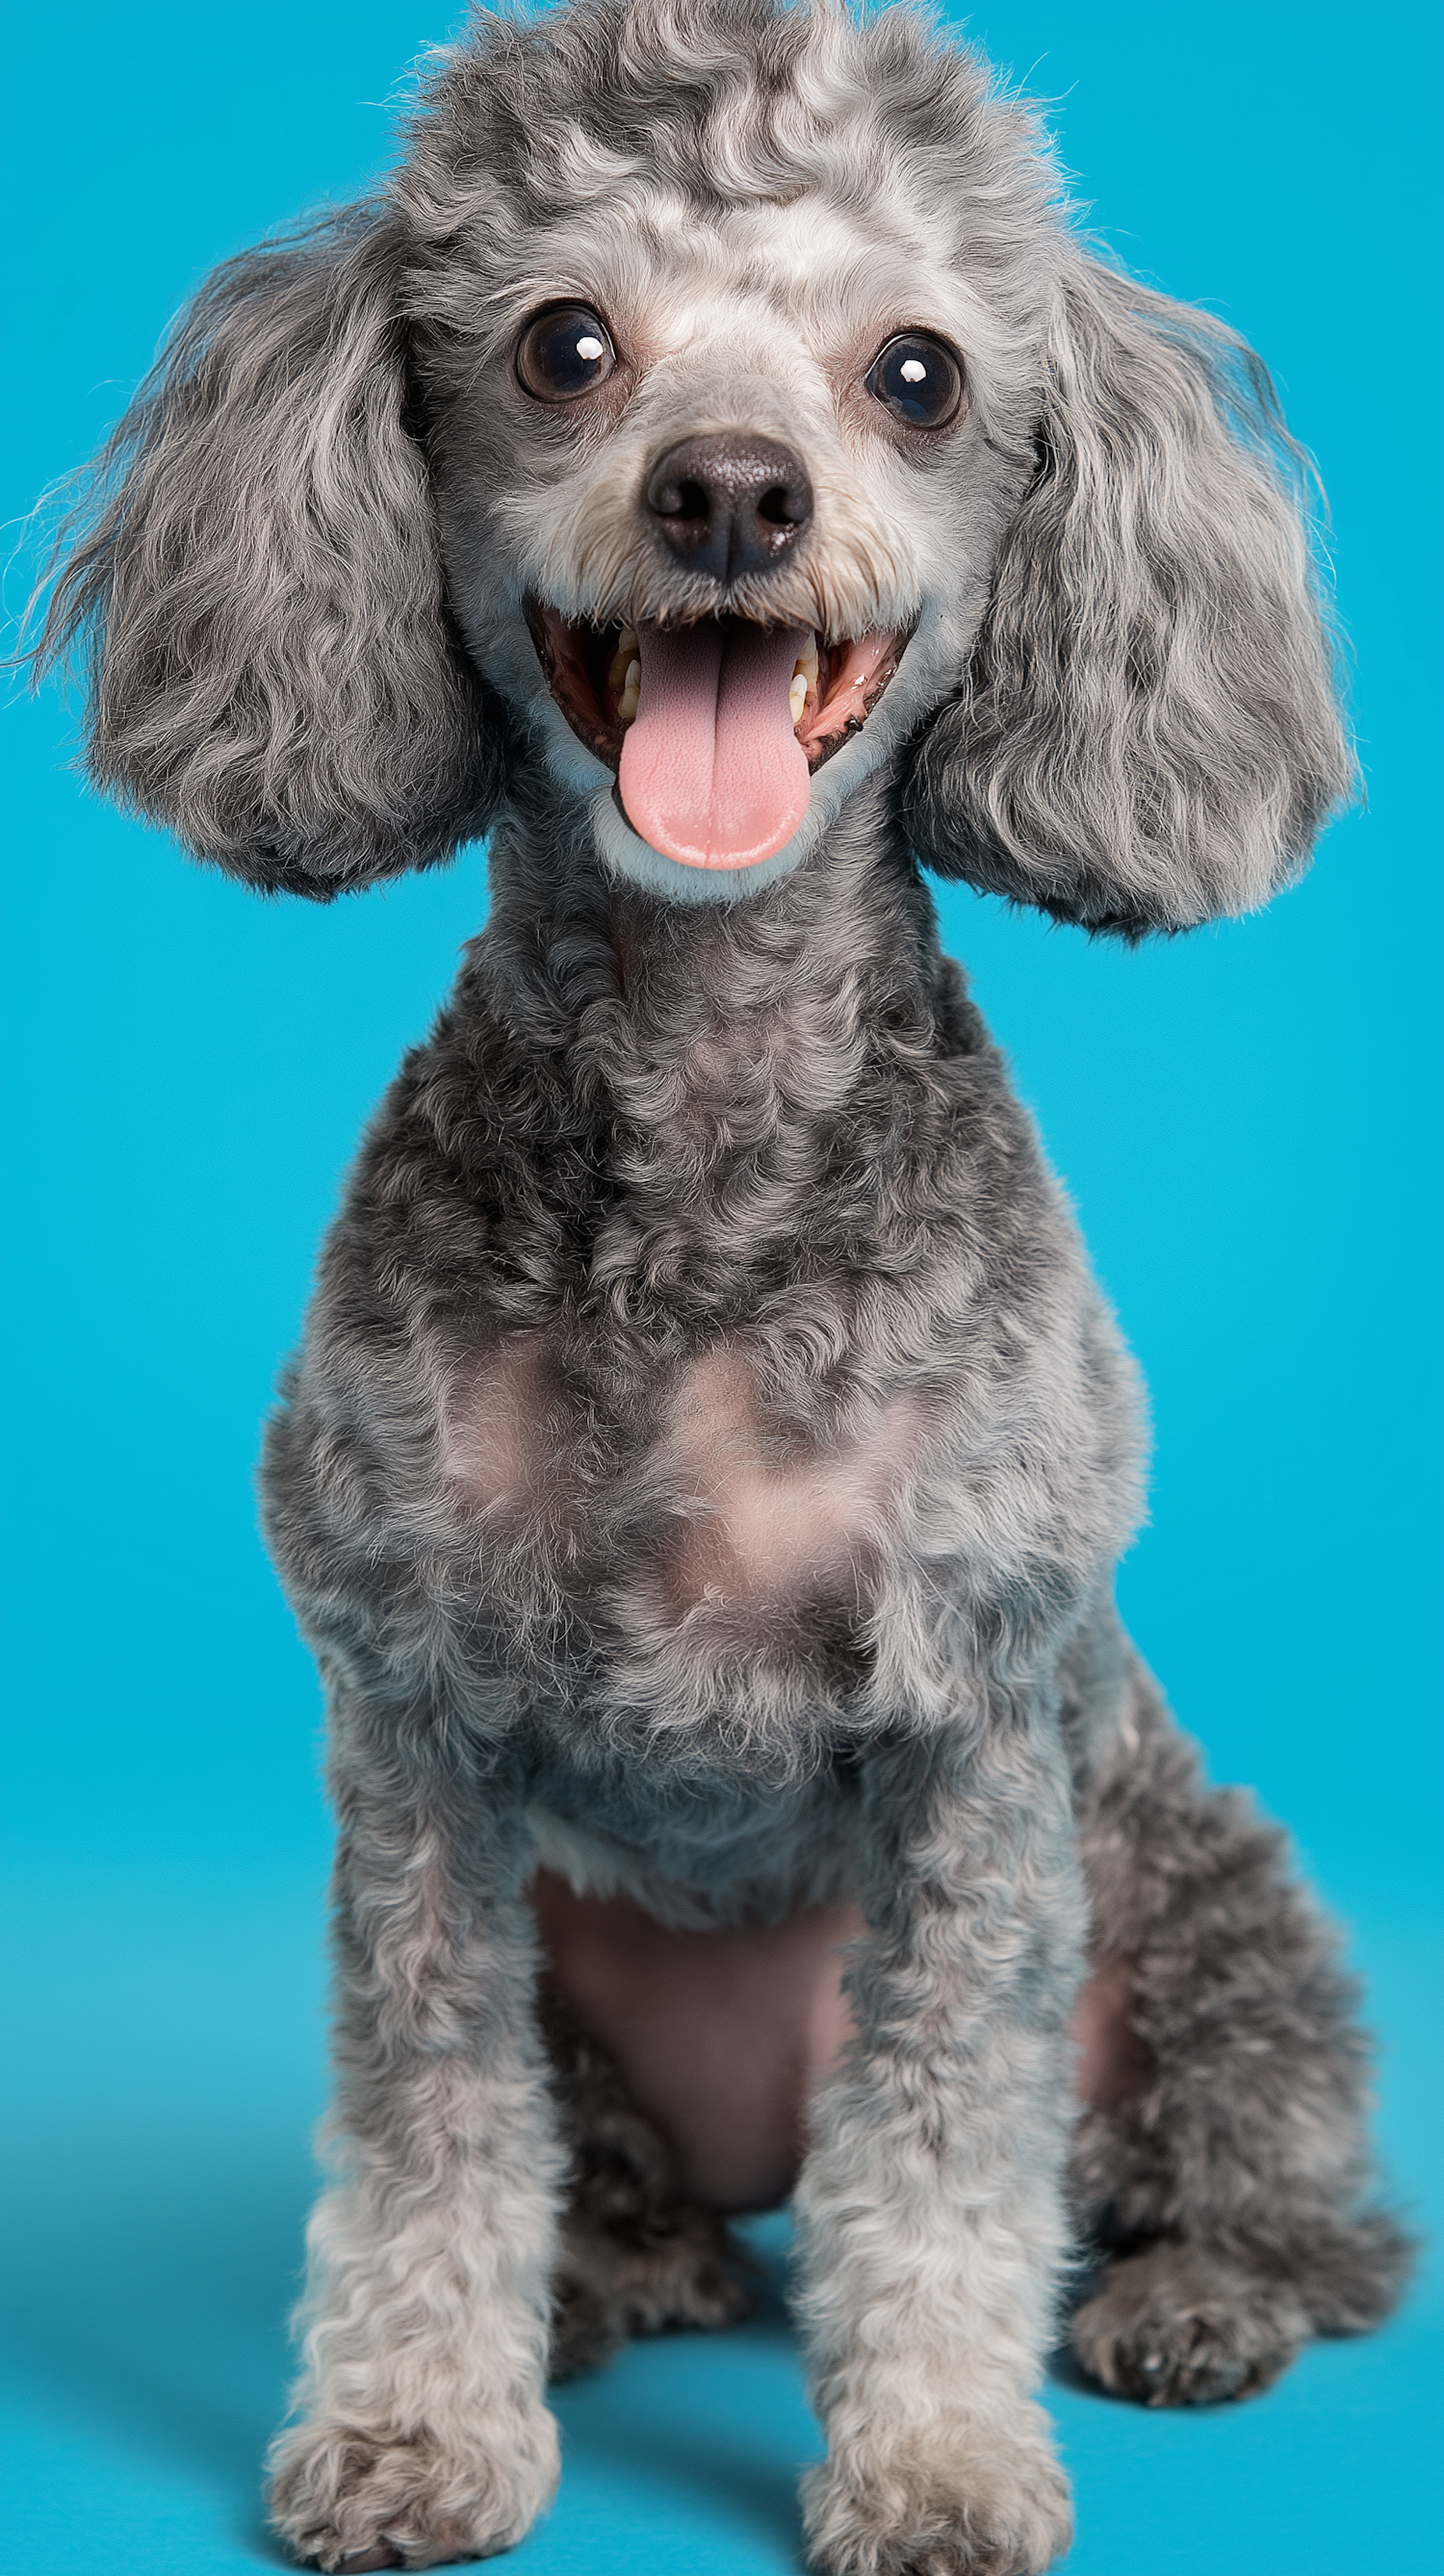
(713,467)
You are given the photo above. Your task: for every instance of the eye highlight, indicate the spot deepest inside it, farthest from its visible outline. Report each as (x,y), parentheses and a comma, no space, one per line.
(563,353)
(918,379)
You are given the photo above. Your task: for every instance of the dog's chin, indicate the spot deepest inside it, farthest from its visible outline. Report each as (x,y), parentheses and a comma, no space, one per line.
(713,734)
(624,853)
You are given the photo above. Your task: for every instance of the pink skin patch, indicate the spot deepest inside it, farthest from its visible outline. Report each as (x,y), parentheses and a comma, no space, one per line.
(495,1446)
(723,2037)
(712,772)
(748,1518)
(773,1518)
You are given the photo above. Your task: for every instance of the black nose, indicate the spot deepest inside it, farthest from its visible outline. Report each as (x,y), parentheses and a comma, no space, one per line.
(729,504)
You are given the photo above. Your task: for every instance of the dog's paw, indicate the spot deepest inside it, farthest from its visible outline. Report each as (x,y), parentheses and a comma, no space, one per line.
(348,2497)
(1181,2325)
(985,2508)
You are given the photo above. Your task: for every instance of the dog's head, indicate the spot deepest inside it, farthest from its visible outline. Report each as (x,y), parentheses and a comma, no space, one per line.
(717,408)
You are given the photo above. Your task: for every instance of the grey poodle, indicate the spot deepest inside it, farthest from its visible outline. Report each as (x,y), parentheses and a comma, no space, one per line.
(711,466)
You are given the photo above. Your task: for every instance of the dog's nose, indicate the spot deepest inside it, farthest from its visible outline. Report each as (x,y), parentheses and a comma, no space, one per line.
(729,504)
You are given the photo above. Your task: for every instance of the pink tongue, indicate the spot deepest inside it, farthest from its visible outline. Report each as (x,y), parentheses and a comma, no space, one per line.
(712,772)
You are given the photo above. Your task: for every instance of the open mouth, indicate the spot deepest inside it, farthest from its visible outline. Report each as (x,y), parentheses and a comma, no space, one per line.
(714,730)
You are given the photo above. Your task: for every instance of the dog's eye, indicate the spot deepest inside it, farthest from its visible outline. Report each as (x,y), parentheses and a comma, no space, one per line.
(565,352)
(918,380)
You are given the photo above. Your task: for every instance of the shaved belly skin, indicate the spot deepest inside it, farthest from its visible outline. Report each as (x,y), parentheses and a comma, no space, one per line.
(721,2038)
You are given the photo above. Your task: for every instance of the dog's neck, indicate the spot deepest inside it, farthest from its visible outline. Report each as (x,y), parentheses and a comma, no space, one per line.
(709,1024)
(690,1114)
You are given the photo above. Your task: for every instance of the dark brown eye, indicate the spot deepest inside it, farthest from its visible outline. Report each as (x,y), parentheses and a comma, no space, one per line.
(565,352)
(918,379)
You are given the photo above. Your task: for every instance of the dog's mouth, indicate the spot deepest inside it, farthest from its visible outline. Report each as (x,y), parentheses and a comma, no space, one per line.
(714,730)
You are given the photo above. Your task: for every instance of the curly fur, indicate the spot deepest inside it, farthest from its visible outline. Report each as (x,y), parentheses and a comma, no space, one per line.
(709,1452)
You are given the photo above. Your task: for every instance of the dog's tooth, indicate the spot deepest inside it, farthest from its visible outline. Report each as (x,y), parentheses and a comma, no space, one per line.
(628,702)
(623,662)
(804,678)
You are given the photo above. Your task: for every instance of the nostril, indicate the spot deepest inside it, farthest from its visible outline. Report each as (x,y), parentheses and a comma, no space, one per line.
(672,496)
(784,505)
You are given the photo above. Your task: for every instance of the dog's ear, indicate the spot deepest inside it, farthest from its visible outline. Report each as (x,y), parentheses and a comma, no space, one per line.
(256,587)
(1148,734)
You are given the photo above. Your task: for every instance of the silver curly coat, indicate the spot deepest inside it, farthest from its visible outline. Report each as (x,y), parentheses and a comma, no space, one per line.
(697,1170)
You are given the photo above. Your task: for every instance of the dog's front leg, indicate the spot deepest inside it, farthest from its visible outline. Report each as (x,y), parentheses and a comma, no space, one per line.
(426,2437)
(930,2209)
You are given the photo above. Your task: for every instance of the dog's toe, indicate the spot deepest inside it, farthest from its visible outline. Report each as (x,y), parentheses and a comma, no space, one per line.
(1182,2325)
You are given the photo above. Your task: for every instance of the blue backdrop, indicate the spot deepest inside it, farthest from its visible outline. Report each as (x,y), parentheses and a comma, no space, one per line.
(1246,1120)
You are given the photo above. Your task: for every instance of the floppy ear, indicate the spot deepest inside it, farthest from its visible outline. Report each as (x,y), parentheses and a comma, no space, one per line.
(1147,735)
(256,585)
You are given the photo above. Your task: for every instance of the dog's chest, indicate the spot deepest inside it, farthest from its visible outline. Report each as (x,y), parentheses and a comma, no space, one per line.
(693,1487)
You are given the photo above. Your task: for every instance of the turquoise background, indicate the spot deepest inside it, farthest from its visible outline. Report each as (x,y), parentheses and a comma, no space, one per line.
(1247,1120)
